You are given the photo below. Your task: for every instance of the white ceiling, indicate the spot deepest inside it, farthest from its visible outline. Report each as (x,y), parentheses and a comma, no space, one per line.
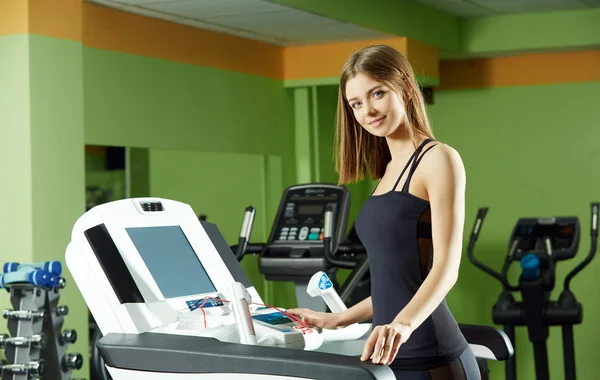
(273,23)
(254,19)
(478,8)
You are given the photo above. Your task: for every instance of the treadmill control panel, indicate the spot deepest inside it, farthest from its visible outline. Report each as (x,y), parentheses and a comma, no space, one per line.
(302,212)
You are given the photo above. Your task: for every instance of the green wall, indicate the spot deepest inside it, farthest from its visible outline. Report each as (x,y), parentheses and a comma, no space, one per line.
(41,117)
(15,231)
(137,101)
(528,151)
(15,132)
(57,151)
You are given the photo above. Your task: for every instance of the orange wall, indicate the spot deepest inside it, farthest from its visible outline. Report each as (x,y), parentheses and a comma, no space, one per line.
(110,29)
(521,70)
(13,17)
(326,60)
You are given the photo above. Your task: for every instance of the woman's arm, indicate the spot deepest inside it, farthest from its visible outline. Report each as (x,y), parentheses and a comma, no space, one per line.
(360,312)
(445,182)
(357,313)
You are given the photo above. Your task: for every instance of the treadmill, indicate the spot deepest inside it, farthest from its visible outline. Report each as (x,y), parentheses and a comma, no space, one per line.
(143,267)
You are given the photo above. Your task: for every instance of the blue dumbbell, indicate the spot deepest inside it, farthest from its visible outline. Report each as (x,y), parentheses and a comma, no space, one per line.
(49,266)
(53,267)
(10,267)
(37,277)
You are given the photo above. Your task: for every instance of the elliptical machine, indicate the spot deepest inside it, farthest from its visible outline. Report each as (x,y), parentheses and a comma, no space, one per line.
(538,244)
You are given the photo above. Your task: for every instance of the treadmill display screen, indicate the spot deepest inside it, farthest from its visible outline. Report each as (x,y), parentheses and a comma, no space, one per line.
(171,260)
(317,209)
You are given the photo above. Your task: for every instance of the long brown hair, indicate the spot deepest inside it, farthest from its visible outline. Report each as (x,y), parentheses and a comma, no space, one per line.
(357,152)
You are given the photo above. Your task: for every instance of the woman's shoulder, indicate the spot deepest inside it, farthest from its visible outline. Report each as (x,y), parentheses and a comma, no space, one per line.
(441,156)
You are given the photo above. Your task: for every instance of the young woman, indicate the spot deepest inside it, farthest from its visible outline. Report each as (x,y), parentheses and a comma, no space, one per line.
(411,226)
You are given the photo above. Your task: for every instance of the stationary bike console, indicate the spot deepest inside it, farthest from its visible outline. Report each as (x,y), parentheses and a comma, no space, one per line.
(294,251)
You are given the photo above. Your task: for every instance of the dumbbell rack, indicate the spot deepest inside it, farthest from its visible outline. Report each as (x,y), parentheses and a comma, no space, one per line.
(37,346)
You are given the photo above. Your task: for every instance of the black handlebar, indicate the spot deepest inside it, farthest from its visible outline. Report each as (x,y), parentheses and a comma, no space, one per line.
(481,213)
(242,247)
(327,232)
(594,235)
(594,227)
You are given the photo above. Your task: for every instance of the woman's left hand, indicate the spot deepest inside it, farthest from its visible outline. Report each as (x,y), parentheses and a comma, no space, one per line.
(384,342)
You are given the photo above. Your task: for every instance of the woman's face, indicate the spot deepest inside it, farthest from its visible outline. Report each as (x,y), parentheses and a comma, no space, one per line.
(376,107)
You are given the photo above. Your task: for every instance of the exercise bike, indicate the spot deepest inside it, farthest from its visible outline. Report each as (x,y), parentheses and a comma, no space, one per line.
(538,244)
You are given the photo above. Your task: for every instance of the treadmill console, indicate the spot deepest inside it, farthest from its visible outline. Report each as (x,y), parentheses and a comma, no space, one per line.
(559,235)
(300,217)
(294,251)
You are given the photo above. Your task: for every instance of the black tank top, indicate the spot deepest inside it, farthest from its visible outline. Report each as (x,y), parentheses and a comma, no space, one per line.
(395,229)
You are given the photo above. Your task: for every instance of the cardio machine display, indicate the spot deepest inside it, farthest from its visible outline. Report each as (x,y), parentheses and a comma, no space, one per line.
(303,213)
(294,251)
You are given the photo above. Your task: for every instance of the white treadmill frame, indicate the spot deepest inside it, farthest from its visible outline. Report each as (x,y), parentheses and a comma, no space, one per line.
(109,313)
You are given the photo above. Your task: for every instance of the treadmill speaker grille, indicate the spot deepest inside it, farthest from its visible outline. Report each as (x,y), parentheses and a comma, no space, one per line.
(152,206)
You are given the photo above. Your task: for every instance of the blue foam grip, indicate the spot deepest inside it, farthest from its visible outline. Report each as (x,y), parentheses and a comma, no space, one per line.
(48,266)
(38,278)
(530,266)
(10,267)
(53,267)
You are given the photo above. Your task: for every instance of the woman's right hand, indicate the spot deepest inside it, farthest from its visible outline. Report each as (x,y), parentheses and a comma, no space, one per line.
(317,318)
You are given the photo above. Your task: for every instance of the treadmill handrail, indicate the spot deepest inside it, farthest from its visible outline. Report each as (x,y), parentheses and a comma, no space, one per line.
(155,352)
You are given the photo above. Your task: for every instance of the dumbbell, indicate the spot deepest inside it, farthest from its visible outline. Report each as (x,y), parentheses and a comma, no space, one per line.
(72,362)
(36,277)
(46,274)
(62,311)
(31,368)
(67,337)
(48,266)
(37,340)
(22,314)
